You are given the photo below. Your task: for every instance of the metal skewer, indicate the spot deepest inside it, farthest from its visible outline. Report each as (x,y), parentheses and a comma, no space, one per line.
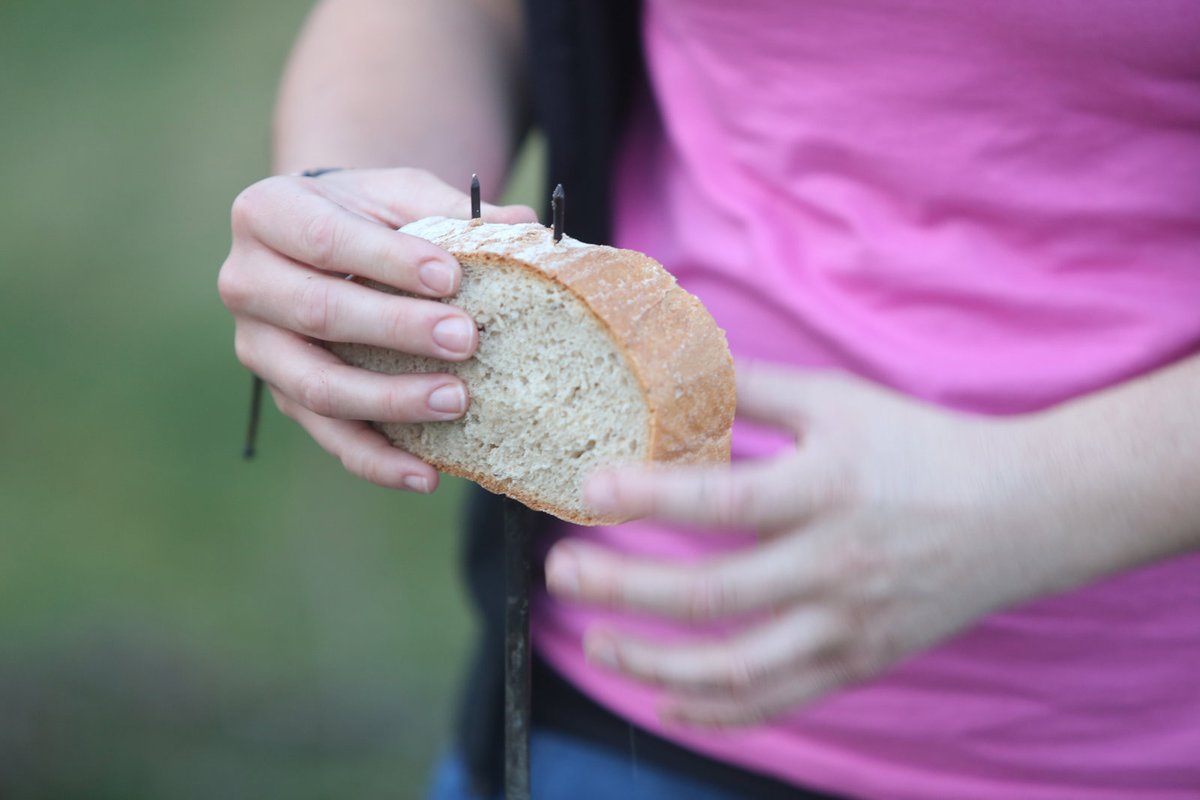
(256,389)
(558,202)
(256,386)
(518,701)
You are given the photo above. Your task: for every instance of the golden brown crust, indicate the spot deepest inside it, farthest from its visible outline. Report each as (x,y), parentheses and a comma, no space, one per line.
(675,348)
(516,492)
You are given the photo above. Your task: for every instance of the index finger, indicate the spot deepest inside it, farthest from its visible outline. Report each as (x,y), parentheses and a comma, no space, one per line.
(745,496)
(313,230)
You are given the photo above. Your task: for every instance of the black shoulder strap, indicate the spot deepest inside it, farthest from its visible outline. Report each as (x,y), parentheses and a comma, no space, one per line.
(584,61)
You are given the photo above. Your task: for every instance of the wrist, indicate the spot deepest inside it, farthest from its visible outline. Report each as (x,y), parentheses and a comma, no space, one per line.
(1017,512)
(1049,486)
(1086,493)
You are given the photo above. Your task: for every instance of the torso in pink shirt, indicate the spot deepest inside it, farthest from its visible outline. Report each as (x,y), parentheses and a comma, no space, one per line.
(993,206)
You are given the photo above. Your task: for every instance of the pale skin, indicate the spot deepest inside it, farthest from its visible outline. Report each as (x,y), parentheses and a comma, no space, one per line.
(357,93)
(892,524)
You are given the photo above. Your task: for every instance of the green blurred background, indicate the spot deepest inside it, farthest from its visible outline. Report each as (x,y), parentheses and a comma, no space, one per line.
(175,623)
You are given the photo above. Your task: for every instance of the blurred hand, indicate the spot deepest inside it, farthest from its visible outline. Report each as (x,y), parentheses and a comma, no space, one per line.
(891,526)
(294,241)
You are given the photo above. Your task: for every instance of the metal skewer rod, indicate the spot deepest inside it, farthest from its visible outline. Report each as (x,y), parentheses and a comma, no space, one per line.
(558,202)
(256,390)
(518,704)
(517,690)
(256,387)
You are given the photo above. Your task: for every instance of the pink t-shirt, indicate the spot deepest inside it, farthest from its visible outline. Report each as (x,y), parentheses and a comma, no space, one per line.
(993,206)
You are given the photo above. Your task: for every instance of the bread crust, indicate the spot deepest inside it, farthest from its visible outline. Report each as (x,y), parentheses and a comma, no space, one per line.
(678,354)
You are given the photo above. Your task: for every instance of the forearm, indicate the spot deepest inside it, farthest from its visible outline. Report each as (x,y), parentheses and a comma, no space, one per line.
(1113,479)
(434,84)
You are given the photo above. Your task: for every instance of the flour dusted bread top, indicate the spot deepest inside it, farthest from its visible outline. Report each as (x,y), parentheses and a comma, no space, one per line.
(587,356)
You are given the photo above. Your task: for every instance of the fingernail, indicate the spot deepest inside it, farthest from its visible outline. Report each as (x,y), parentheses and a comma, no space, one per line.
(601,650)
(417,483)
(562,574)
(448,399)
(600,493)
(454,334)
(438,276)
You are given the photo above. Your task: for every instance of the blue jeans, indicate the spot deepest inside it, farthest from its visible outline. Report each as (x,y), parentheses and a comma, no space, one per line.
(572,769)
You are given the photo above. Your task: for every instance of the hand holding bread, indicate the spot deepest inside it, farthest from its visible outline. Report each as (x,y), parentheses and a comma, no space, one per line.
(294,239)
(544,359)
(891,525)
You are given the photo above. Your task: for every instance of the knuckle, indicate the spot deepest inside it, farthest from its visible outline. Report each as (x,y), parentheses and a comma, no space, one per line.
(755,714)
(351,465)
(731,501)
(856,561)
(354,462)
(400,328)
(739,673)
(315,392)
(855,664)
(418,176)
(842,488)
(395,407)
(251,203)
(285,405)
(863,648)
(854,617)
(315,308)
(622,585)
(320,236)
(737,715)
(231,287)
(244,350)
(880,645)
(367,467)
(707,597)
(615,588)
(245,208)
(371,471)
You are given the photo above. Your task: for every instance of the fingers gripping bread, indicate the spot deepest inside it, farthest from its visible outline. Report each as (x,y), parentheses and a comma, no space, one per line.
(587,356)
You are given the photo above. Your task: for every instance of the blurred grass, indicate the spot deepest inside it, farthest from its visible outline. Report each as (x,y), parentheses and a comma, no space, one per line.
(174,622)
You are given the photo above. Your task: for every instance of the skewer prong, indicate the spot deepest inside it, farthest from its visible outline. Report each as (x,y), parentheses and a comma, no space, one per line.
(558,201)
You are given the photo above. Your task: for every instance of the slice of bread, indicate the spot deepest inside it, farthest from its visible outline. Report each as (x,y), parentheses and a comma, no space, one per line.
(587,356)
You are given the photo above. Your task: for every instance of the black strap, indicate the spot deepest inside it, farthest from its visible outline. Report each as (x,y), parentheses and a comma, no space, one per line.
(584,63)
